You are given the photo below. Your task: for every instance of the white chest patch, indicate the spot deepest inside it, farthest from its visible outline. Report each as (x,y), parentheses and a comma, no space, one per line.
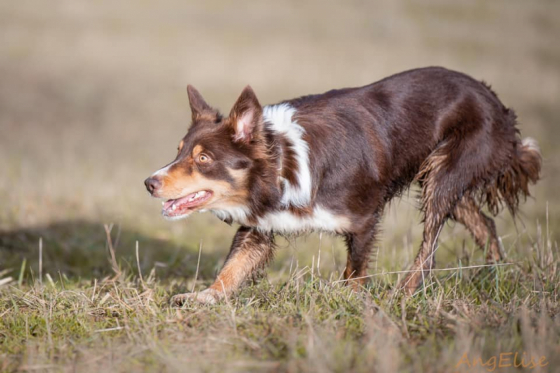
(237,214)
(286,222)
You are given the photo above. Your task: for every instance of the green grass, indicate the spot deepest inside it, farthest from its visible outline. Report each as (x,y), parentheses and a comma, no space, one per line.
(303,320)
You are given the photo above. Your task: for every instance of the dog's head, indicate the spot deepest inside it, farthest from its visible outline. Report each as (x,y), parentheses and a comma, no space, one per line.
(214,159)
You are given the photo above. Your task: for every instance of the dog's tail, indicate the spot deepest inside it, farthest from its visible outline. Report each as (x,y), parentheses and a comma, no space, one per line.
(512,184)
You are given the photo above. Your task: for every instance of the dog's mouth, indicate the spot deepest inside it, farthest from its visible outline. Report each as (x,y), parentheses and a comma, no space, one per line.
(185,205)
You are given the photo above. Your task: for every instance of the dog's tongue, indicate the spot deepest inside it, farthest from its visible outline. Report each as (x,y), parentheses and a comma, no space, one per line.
(167,204)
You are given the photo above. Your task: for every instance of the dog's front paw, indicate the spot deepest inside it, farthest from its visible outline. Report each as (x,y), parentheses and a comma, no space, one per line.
(208,296)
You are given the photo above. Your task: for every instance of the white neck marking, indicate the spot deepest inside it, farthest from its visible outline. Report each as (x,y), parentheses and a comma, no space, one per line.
(281,119)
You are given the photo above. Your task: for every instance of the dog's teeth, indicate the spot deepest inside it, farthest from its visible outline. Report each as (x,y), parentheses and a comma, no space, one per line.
(173,207)
(202,193)
(163,203)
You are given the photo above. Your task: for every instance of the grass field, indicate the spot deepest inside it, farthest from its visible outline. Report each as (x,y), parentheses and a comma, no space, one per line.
(93,100)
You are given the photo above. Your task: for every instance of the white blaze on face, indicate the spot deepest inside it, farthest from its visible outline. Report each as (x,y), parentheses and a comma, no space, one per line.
(281,119)
(162,172)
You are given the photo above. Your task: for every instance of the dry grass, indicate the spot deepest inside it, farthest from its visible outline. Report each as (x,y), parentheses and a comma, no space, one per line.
(92,101)
(303,320)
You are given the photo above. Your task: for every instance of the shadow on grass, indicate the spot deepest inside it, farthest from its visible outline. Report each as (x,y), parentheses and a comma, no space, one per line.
(78,249)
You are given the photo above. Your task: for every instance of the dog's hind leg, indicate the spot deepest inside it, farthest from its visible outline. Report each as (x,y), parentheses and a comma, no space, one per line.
(481,227)
(250,251)
(425,259)
(441,190)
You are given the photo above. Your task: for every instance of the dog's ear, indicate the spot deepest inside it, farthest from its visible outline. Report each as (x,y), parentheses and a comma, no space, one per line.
(246,116)
(198,105)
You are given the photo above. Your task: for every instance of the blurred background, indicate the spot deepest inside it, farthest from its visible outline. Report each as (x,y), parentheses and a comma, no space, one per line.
(93,100)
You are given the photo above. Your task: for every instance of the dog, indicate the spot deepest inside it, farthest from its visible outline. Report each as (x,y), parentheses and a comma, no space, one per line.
(331,162)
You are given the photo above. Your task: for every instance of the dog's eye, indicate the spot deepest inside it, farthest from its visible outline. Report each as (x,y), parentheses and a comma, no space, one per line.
(203,158)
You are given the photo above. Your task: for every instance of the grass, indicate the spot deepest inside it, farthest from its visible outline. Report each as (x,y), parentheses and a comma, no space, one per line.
(303,319)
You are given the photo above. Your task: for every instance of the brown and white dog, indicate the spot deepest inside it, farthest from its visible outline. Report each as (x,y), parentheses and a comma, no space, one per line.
(331,162)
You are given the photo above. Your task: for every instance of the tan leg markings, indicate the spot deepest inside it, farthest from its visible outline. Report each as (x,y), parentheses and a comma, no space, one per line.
(251,250)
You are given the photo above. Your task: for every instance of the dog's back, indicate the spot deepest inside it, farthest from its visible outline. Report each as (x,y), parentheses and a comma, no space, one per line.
(367,144)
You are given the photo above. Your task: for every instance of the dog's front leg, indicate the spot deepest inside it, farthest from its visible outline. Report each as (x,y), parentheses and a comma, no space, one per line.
(251,250)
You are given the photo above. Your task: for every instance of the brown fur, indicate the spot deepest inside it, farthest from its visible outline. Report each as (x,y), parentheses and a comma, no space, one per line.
(440,128)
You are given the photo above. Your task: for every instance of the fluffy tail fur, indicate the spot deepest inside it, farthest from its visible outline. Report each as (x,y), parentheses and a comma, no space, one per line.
(513,183)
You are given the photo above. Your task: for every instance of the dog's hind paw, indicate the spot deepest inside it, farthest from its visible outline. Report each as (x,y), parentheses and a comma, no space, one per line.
(208,296)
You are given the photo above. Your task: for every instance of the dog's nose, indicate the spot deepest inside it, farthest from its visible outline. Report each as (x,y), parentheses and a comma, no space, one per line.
(152,184)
